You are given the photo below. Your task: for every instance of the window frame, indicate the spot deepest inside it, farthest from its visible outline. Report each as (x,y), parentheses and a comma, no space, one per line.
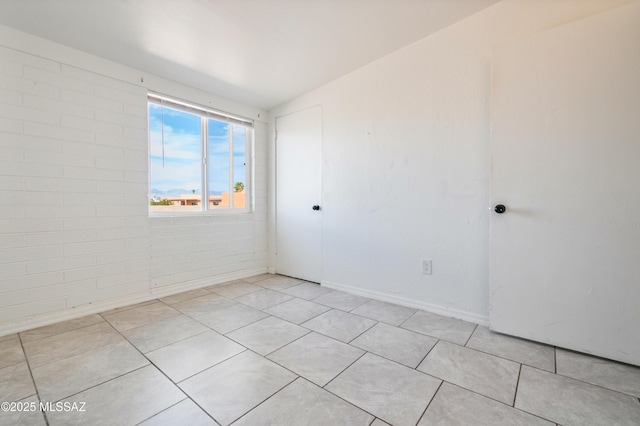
(205,114)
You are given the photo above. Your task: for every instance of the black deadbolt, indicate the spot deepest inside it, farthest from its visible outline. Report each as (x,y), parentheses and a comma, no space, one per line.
(316,207)
(500,208)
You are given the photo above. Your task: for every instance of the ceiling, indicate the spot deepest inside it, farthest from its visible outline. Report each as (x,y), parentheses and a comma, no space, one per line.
(258,52)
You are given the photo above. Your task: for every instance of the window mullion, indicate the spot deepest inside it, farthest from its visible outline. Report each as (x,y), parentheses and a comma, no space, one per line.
(231,183)
(204,131)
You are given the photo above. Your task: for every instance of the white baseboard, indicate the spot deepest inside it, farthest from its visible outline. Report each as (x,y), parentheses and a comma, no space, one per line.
(403,301)
(165,291)
(35,321)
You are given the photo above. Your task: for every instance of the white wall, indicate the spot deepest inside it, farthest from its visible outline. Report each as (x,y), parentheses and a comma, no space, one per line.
(75,235)
(406,163)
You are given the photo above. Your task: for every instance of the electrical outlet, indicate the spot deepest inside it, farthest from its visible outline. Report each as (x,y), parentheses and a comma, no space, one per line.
(426,267)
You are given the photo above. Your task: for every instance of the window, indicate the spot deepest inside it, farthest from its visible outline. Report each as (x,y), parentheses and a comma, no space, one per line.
(195,151)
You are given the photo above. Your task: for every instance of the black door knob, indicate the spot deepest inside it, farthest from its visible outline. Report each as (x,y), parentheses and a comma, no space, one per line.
(500,208)
(316,207)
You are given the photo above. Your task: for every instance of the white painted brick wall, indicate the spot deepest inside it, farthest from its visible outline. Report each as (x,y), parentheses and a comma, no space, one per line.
(74,226)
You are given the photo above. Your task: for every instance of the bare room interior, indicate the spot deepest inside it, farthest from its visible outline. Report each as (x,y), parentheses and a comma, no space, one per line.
(310,212)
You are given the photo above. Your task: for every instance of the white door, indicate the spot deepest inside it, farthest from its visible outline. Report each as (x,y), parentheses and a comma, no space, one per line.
(565,148)
(298,194)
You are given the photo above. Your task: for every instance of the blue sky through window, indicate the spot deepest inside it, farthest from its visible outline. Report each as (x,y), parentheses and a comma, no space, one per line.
(175,153)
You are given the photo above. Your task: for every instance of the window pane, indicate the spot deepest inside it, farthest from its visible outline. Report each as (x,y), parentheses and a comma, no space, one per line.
(175,160)
(218,148)
(239,166)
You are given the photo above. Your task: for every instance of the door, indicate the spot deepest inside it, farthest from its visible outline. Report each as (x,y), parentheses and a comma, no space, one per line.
(565,151)
(298,194)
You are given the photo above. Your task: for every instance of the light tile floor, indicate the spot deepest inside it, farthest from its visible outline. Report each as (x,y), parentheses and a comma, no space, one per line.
(280,351)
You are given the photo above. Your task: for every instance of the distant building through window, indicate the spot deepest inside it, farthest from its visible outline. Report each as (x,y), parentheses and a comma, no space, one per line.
(195,151)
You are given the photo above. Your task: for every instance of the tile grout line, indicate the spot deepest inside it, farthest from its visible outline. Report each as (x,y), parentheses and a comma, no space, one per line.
(503,358)
(320,332)
(430,401)
(340,397)
(313,383)
(376,320)
(230,331)
(342,371)
(314,300)
(298,298)
(209,367)
(62,332)
(392,360)
(33,380)
(411,316)
(440,338)
(583,382)
(169,344)
(298,376)
(492,399)
(369,328)
(153,415)
(237,296)
(185,300)
(101,383)
(426,355)
(475,392)
(127,307)
(470,336)
(515,394)
(285,345)
(313,317)
(497,356)
(267,398)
